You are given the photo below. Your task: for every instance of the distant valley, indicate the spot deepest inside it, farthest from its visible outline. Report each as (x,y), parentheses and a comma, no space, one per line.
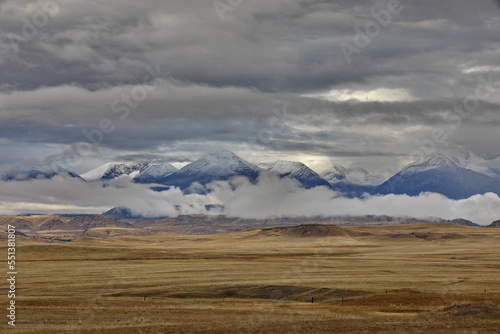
(65,228)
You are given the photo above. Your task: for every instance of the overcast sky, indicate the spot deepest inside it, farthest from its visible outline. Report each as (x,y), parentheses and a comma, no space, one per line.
(281,79)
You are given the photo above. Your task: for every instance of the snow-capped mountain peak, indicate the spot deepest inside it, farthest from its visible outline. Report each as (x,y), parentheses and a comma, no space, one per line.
(455,158)
(97,173)
(455,174)
(37,171)
(450,159)
(335,174)
(220,165)
(282,166)
(113,170)
(299,171)
(225,159)
(154,172)
(340,175)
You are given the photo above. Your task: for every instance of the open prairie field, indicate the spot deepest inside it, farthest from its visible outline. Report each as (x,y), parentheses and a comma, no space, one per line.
(422,278)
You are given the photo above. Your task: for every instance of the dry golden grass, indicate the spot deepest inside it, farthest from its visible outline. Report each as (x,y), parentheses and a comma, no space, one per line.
(427,278)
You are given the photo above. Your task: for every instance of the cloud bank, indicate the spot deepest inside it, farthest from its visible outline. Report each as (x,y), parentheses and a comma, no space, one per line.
(269,196)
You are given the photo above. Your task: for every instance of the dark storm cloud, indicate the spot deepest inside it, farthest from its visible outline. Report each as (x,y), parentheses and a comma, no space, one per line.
(223,78)
(176,112)
(279,45)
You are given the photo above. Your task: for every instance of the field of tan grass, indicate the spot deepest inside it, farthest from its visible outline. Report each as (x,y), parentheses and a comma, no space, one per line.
(424,278)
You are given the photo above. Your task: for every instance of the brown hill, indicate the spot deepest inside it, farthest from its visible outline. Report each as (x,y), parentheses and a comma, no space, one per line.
(495,224)
(66,228)
(110,232)
(309,230)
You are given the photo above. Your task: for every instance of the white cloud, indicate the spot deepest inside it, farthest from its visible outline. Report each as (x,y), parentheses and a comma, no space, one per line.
(270,196)
(61,195)
(377,94)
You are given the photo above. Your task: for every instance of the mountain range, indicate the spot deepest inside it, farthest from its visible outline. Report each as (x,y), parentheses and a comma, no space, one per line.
(440,173)
(132,169)
(217,166)
(456,176)
(37,171)
(300,172)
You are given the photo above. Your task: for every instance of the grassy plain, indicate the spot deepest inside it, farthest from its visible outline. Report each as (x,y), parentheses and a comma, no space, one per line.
(422,278)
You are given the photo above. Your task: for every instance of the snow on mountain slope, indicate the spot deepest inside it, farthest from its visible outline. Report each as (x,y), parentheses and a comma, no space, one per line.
(37,171)
(297,170)
(493,168)
(113,170)
(154,172)
(457,157)
(221,165)
(335,174)
(434,161)
(441,173)
(362,176)
(97,173)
